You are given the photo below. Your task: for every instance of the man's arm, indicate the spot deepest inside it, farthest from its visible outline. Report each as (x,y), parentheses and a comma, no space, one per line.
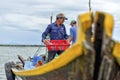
(45,33)
(65,36)
(70,38)
(71,35)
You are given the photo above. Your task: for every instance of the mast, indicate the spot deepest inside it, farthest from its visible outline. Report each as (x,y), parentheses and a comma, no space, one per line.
(51,17)
(89,5)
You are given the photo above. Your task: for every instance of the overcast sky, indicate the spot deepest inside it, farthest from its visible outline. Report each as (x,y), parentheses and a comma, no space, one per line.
(23,21)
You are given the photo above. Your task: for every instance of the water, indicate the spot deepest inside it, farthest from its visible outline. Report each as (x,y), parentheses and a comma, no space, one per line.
(9,53)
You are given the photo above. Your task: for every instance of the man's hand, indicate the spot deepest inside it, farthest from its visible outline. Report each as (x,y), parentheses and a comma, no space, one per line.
(44,41)
(70,38)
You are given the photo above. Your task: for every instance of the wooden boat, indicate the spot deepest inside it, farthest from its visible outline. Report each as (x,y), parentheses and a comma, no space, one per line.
(85,60)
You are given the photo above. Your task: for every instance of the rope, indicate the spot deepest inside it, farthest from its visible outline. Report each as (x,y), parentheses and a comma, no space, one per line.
(37,52)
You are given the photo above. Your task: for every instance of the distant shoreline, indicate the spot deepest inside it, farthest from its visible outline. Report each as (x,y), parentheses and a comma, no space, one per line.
(20,45)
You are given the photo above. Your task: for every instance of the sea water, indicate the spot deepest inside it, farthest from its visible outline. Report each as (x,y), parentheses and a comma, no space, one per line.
(9,53)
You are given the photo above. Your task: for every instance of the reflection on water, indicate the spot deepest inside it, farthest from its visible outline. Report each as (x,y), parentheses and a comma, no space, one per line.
(9,53)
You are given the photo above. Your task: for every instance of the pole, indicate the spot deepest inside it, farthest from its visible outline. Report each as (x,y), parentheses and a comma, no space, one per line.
(89,5)
(51,17)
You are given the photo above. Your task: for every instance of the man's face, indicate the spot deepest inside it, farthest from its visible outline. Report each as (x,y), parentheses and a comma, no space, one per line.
(71,25)
(61,20)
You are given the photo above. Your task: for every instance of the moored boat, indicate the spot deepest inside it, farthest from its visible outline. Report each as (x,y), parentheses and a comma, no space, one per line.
(85,60)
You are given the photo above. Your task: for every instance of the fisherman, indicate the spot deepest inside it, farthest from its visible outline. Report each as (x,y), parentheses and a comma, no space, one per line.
(56,31)
(73,32)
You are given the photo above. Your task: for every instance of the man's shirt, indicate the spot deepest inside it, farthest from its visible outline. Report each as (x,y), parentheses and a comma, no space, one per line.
(73,33)
(55,32)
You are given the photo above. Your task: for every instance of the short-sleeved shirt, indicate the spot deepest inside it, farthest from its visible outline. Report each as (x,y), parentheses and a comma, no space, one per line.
(73,33)
(55,32)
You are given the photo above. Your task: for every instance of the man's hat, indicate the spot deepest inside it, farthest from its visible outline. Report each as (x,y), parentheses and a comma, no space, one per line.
(73,22)
(61,15)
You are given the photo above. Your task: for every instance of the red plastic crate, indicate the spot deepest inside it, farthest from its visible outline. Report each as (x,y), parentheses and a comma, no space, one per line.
(56,45)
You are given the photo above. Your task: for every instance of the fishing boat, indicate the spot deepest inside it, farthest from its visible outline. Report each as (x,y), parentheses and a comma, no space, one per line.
(97,59)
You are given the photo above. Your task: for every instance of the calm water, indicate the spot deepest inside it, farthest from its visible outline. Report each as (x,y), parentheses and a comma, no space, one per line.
(9,53)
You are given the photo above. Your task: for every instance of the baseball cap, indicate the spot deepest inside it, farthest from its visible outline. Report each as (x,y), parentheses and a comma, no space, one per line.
(73,22)
(61,15)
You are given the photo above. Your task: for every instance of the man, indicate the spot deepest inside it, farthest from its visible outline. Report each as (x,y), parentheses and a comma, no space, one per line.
(57,31)
(73,32)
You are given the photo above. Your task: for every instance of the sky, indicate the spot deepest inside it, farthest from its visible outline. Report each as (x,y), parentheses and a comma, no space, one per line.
(23,21)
